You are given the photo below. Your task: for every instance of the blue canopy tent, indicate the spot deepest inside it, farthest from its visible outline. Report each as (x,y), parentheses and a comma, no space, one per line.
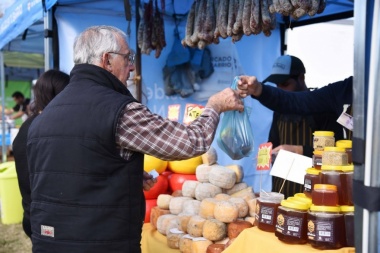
(366,55)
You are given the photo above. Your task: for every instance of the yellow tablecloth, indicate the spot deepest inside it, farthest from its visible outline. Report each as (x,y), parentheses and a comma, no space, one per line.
(251,240)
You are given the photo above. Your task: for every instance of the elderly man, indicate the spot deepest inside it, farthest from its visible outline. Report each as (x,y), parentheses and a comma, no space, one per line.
(86,151)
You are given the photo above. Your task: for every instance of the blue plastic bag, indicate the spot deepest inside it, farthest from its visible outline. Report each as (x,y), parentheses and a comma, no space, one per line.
(235,135)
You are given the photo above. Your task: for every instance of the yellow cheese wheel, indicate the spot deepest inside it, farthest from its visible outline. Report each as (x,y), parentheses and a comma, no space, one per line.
(187,166)
(226,211)
(214,230)
(154,163)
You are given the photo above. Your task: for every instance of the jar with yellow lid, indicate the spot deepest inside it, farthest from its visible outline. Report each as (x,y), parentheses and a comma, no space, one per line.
(291,225)
(348,213)
(305,200)
(347,145)
(325,225)
(266,209)
(342,177)
(324,195)
(311,178)
(323,139)
(317,159)
(334,156)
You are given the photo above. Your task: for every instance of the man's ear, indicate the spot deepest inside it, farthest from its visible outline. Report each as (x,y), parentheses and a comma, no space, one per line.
(106,62)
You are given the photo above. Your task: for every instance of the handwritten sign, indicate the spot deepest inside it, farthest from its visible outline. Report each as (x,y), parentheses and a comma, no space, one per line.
(173,112)
(264,156)
(192,111)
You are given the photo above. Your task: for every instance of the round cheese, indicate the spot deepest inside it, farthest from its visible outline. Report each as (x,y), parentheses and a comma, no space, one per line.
(195,226)
(235,228)
(188,188)
(202,173)
(222,196)
(252,207)
(156,212)
(176,204)
(216,248)
(199,245)
(237,187)
(210,157)
(242,206)
(222,177)
(173,238)
(163,222)
(239,172)
(226,211)
(163,201)
(206,209)
(185,244)
(214,230)
(191,207)
(183,221)
(206,190)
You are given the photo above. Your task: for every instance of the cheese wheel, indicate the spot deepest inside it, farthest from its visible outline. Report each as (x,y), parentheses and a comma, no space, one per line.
(206,209)
(235,228)
(185,244)
(226,211)
(202,173)
(239,172)
(176,204)
(223,241)
(242,206)
(252,207)
(246,194)
(214,230)
(191,207)
(156,212)
(163,222)
(237,187)
(222,177)
(173,239)
(173,223)
(206,190)
(195,226)
(163,201)
(177,193)
(183,221)
(222,196)
(216,248)
(199,245)
(250,219)
(210,157)
(188,188)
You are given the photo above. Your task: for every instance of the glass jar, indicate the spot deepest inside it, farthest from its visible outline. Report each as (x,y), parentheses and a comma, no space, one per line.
(334,156)
(342,177)
(291,225)
(317,159)
(348,213)
(324,195)
(347,145)
(311,178)
(266,209)
(323,139)
(325,225)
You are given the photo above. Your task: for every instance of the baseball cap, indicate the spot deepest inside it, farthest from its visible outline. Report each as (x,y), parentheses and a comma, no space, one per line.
(285,67)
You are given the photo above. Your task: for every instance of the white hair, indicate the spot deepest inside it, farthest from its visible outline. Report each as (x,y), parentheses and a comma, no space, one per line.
(93,42)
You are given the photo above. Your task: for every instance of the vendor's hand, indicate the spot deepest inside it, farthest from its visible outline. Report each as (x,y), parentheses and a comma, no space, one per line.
(249,85)
(148,181)
(226,100)
(298,149)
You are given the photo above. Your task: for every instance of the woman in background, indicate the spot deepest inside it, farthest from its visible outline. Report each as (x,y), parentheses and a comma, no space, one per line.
(48,85)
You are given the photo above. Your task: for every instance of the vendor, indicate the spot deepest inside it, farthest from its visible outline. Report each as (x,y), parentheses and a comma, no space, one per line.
(21,108)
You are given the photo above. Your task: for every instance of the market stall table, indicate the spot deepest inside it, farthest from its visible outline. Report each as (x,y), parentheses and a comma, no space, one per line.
(250,240)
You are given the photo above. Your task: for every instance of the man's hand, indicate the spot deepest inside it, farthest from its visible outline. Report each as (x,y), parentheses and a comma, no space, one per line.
(249,85)
(298,149)
(226,100)
(148,181)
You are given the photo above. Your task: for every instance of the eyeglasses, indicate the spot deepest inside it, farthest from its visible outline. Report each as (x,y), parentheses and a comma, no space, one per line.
(130,57)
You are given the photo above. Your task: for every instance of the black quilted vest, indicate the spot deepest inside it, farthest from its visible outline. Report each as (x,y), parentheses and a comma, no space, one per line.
(85,197)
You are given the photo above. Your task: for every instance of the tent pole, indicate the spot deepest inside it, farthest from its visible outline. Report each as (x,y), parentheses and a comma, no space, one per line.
(4,147)
(138,76)
(48,41)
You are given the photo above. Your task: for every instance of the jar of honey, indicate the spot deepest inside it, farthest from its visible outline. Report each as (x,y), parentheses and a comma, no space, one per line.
(324,195)
(334,156)
(317,159)
(347,145)
(348,213)
(291,225)
(342,177)
(311,178)
(266,208)
(324,227)
(323,139)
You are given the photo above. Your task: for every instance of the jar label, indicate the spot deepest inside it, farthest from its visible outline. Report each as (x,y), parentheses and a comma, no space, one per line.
(266,215)
(289,225)
(320,231)
(307,185)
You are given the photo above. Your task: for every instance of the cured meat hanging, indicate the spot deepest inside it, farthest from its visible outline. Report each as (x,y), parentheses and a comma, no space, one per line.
(209,20)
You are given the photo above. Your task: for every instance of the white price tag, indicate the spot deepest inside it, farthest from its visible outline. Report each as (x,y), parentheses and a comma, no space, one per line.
(153,173)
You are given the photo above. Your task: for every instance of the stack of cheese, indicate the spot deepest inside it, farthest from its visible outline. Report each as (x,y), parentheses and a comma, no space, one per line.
(212,210)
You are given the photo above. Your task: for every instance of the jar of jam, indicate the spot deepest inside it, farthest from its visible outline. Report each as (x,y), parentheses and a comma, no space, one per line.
(347,145)
(342,177)
(323,139)
(317,159)
(348,213)
(291,225)
(266,208)
(324,195)
(334,156)
(311,178)
(324,227)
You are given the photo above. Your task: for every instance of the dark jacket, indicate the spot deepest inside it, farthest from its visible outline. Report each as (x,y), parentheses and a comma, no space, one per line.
(85,196)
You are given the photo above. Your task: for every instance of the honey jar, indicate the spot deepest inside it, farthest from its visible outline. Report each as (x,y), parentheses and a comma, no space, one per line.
(317,159)
(322,139)
(334,156)
(347,145)
(348,213)
(266,208)
(311,178)
(324,195)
